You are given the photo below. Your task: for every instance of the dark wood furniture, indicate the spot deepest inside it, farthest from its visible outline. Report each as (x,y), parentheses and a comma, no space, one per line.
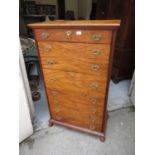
(124,57)
(76,58)
(61,9)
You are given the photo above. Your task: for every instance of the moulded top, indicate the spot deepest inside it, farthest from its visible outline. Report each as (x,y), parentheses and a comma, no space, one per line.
(77,23)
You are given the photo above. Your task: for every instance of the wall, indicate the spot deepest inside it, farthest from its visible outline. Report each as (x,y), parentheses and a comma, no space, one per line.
(84,8)
(72,5)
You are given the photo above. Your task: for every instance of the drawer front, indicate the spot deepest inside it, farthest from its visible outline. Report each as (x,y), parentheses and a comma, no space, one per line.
(79,65)
(77,118)
(85,36)
(83,109)
(77,114)
(85,84)
(76,98)
(99,52)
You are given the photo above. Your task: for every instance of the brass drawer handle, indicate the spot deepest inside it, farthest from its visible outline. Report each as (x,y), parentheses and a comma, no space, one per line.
(68,33)
(96,52)
(55,101)
(44,35)
(97,37)
(95,67)
(50,62)
(71,74)
(93,118)
(58,118)
(57,110)
(94,85)
(52,79)
(54,93)
(92,127)
(48,49)
(93,110)
(93,100)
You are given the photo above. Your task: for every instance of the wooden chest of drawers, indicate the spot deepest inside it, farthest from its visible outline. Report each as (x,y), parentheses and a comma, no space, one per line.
(76,58)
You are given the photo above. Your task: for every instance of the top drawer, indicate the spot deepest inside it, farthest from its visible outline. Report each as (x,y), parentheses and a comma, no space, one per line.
(85,36)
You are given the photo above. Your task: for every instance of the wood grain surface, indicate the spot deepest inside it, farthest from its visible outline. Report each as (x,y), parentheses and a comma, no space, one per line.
(85,37)
(98,52)
(61,80)
(79,65)
(76,23)
(76,59)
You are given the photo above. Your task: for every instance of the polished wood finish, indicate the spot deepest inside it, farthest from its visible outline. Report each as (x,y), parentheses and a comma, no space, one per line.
(79,65)
(77,72)
(112,24)
(61,80)
(99,134)
(85,37)
(96,52)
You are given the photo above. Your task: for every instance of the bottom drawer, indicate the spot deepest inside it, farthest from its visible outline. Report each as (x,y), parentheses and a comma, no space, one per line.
(75,109)
(76,118)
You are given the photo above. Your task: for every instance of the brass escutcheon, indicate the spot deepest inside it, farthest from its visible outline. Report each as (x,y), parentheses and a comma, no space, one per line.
(58,117)
(47,48)
(57,110)
(44,35)
(50,62)
(93,110)
(93,100)
(54,93)
(93,119)
(95,67)
(53,79)
(68,33)
(96,52)
(92,127)
(97,37)
(94,85)
(72,74)
(55,101)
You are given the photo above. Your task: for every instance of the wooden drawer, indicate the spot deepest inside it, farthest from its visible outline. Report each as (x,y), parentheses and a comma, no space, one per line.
(99,52)
(73,117)
(82,108)
(71,35)
(85,84)
(80,115)
(76,109)
(76,98)
(78,65)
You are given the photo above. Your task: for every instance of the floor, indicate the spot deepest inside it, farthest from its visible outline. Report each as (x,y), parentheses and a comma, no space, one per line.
(41,110)
(118,98)
(118,95)
(58,140)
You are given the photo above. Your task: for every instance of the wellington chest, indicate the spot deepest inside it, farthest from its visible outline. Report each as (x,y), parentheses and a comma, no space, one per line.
(76,59)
